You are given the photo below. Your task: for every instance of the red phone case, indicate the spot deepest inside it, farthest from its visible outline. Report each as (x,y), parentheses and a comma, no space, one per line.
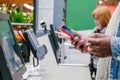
(70,35)
(83,44)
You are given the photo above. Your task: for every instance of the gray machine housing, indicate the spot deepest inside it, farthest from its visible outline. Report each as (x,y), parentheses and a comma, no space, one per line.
(38,50)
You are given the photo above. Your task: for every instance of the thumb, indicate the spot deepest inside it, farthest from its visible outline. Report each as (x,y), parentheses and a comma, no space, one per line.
(78,34)
(84,37)
(98,35)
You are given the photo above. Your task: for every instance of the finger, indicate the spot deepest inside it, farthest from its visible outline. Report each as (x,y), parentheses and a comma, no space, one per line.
(93,50)
(77,46)
(60,36)
(74,41)
(97,35)
(86,49)
(57,32)
(97,55)
(78,34)
(89,50)
(100,55)
(94,41)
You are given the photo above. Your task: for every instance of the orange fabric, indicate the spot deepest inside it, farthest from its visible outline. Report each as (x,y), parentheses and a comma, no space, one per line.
(111,8)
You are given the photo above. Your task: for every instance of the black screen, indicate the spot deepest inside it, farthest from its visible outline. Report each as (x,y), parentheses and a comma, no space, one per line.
(55,42)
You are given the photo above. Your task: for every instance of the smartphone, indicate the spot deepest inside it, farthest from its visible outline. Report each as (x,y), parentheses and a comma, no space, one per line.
(72,35)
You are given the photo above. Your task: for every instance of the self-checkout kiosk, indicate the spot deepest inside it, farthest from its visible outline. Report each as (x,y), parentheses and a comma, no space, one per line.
(12,64)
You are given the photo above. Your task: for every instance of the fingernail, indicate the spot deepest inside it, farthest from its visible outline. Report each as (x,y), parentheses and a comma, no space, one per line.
(93,35)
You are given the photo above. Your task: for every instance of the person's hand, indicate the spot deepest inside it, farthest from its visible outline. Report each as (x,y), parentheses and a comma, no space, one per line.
(84,37)
(78,44)
(62,35)
(100,45)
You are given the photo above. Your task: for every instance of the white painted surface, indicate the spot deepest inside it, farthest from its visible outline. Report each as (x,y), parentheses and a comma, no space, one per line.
(50,70)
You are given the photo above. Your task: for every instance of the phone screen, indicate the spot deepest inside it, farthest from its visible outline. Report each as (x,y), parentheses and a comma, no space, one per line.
(69,31)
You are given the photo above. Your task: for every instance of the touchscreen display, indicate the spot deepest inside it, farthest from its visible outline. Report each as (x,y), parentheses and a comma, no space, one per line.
(7,41)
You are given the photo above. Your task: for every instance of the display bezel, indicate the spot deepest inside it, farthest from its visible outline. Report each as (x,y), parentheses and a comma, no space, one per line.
(21,70)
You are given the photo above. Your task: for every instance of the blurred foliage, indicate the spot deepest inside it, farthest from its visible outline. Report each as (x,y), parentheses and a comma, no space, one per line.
(18,16)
